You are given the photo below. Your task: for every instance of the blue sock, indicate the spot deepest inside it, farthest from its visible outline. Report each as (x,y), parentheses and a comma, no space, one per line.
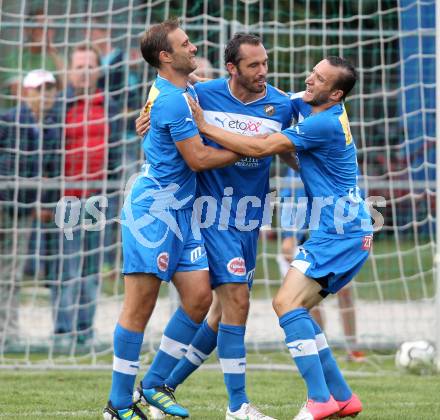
(176,338)
(127,347)
(300,339)
(204,342)
(232,355)
(333,376)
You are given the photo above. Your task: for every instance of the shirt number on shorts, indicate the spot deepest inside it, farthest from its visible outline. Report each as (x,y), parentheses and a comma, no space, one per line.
(367,241)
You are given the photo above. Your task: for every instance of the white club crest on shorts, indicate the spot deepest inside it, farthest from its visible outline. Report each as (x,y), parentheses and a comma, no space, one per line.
(162,261)
(237,266)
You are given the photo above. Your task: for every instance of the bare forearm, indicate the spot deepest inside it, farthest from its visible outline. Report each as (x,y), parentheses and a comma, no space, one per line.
(252,146)
(217,158)
(243,145)
(59,64)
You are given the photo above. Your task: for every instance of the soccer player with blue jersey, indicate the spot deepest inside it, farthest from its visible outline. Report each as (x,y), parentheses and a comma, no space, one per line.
(157,238)
(244,103)
(340,228)
(290,240)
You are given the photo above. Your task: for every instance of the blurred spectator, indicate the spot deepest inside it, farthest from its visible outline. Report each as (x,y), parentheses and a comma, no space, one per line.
(135,83)
(91,155)
(28,134)
(134,103)
(131,159)
(38,53)
(112,78)
(113,81)
(290,245)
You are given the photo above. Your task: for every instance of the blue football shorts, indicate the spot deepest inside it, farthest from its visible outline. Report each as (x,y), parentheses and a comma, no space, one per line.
(231,255)
(332,262)
(161,243)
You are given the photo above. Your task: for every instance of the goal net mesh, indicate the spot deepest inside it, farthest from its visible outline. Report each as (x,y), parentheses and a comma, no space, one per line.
(392,115)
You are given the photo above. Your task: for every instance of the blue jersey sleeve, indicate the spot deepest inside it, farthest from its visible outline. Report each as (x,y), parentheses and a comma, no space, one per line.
(311,133)
(294,105)
(178,118)
(300,109)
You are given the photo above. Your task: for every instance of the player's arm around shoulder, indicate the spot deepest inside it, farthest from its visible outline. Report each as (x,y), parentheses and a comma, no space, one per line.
(311,133)
(201,157)
(252,146)
(185,134)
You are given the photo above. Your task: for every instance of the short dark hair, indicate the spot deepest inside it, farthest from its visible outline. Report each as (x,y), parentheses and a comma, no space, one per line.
(156,40)
(347,78)
(232,49)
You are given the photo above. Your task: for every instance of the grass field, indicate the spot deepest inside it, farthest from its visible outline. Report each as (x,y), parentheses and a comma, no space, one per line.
(82,395)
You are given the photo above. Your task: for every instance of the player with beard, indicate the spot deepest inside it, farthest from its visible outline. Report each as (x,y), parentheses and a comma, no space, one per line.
(246,104)
(157,238)
(340,228)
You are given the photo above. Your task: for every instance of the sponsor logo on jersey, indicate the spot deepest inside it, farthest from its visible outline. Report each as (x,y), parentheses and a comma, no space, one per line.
(249,127)
(367,241)
(269,110)
(237,266)
(248,162)
(162,261)
(222,122)
(243,124)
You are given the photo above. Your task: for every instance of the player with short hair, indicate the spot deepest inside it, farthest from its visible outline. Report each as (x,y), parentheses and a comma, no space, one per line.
(158,242)
(243,103)
(340,228)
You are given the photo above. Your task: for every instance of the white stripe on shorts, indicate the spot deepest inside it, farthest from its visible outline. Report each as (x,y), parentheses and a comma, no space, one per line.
(127,367)
(300,265)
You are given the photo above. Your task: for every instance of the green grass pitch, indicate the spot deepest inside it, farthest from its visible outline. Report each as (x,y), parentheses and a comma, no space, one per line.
(82,395)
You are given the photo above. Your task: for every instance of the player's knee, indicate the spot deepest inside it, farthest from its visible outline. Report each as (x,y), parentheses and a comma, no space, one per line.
(214,319)
(215,314)
(135,317)
(204,302)
(282,304)
(277,304)
(197,305)
(236,311)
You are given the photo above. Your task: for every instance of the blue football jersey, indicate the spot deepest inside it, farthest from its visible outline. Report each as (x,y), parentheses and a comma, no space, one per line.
(329,171)
(165,173)
(300,109)
(249,177)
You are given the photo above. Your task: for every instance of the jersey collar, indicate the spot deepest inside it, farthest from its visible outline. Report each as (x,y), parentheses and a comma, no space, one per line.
(244,103)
